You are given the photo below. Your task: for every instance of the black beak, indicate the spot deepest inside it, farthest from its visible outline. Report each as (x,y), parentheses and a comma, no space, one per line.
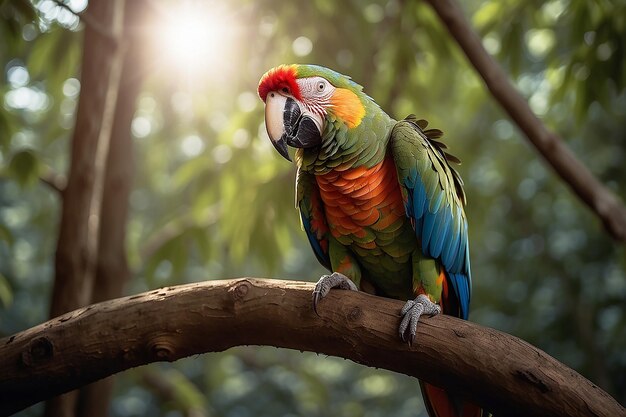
(297,130)
(281,146)
(300,131)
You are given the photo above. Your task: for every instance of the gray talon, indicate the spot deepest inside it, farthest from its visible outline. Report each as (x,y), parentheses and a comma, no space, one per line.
(327,282)
(411,313)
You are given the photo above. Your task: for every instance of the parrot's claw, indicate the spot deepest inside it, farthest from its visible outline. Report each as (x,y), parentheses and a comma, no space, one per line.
(327,282)
(411,313)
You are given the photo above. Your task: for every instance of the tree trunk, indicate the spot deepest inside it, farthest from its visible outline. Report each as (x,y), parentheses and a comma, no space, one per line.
(500,372)
(112,271)
(78,232)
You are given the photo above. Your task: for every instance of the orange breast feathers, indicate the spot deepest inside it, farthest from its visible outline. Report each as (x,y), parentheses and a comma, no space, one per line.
(360,198)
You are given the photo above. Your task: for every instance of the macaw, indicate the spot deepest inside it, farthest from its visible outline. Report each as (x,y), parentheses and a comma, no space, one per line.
(380,204)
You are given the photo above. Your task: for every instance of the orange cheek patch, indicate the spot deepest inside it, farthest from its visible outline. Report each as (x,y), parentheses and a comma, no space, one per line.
(347,106)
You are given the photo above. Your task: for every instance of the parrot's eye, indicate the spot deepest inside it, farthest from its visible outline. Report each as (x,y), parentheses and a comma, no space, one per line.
(320,86)
(285,90)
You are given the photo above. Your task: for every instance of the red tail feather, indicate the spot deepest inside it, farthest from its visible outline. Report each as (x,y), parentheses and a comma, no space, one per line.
(441,404)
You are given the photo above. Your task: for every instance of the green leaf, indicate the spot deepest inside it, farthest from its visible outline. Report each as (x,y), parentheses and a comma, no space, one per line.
(24,8)
(191,170)
(6,234)
(201,238)
(25,167)
(487,16)
(6,293)
(55,56)
(7,128)
(186,395)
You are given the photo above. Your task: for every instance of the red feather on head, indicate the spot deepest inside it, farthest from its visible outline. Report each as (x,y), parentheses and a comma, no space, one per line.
(281,78)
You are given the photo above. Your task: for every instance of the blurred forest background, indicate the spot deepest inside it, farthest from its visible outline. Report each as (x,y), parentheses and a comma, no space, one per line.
(209,198)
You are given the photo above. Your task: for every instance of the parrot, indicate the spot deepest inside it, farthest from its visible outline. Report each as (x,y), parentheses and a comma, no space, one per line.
(382,207)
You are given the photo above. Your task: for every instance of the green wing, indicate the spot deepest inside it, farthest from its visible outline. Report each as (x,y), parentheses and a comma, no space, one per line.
(433,198)
(309,202)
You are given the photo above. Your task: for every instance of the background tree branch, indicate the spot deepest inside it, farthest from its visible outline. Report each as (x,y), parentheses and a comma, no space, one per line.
(600,199)
(499,371)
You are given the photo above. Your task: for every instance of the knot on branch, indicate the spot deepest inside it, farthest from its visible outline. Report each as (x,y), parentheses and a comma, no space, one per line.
(240,289)
(355,313)
(38,351)
(163,348)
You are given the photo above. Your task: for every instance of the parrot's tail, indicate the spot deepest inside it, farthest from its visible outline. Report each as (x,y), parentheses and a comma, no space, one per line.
(441,404)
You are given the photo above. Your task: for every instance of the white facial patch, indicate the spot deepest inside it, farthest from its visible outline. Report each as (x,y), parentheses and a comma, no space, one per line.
(316,93)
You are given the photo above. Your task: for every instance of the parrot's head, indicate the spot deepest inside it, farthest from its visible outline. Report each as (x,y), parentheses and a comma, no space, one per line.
(300,100)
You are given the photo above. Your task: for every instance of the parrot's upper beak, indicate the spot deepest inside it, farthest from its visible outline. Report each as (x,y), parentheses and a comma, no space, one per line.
(290,124)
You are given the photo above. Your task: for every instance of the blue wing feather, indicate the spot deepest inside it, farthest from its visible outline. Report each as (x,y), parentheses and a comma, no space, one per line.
(460,284)
(435,207)
(451,247)
(309,203)
(321,256)
(419,197)
(427,230)
(442,236)
(436,203)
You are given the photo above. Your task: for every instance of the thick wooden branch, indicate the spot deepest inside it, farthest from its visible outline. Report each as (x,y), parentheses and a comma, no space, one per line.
(492,368)
(607,206)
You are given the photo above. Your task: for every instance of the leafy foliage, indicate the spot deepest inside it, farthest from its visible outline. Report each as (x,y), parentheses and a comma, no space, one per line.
(213,200)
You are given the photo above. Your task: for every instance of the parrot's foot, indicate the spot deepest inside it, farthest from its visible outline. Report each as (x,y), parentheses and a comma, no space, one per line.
(411,313)
(328,282)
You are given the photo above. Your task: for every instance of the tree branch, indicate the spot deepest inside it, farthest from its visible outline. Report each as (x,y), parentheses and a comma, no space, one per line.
(600,199)
(501,372)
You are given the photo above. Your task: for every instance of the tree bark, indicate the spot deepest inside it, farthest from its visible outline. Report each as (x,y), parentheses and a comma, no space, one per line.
(500,372)
(76,253)
(112,271)
(607,206)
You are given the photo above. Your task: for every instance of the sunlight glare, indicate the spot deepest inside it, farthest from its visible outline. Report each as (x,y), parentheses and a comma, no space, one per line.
(195,40)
